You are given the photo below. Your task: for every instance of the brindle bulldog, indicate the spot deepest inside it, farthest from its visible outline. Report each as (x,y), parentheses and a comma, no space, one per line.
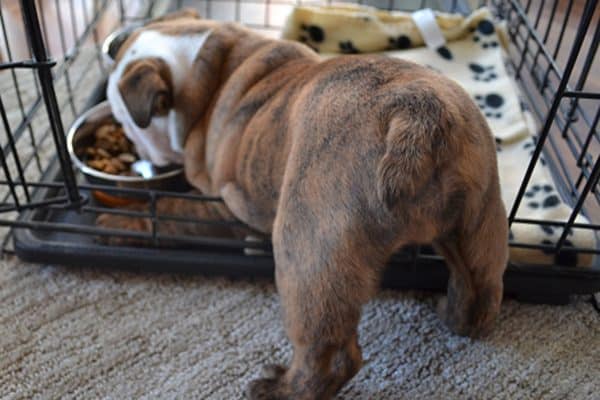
(341,161)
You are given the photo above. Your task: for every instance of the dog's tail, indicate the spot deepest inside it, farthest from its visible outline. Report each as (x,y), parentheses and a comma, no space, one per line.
(416,138)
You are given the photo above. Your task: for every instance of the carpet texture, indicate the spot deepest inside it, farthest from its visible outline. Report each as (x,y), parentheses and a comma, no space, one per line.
(90,333)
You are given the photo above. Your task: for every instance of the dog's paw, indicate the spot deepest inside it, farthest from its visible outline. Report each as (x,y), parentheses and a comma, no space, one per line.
(270,387)
(126,224)
(274,371)
(473,322)
(451,318)
(265,389)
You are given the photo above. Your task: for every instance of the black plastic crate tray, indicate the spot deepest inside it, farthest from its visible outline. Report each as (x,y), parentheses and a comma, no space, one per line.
(540,284)
(409,269)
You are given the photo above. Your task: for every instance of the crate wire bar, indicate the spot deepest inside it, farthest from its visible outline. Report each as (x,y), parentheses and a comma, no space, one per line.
(50,211)
(552,115)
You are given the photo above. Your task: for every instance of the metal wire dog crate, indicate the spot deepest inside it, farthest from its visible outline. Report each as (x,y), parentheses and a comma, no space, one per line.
(55,72)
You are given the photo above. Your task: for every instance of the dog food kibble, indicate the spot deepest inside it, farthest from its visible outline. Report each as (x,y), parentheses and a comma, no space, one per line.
(127,158)
(111,151)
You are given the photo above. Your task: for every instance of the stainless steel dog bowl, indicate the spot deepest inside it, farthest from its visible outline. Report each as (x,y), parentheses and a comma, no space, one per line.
(82,132)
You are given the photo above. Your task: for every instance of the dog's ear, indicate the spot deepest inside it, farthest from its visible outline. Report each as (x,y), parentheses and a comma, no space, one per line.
(146,89)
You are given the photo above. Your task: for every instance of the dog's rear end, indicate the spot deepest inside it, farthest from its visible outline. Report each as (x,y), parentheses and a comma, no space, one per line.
(384,153)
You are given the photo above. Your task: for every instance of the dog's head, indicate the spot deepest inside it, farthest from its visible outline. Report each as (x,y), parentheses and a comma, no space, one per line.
(150,66)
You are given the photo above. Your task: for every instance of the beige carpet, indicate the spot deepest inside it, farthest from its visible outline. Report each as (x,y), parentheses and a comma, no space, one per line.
(89,333)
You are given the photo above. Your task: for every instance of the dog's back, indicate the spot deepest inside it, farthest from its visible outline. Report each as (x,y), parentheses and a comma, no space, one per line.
(367,133)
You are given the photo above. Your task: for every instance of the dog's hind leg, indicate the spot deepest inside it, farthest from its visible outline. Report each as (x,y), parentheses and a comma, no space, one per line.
(477,258)
(323,280)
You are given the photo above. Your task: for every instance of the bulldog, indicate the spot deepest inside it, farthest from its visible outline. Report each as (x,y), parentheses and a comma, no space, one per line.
(342,162)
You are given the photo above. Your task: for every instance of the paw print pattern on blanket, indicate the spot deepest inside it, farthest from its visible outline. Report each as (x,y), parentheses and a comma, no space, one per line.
(445,52)
(311,35)
(484,73)
(473,56)
(530,145)
(485,34)
(347,47)
(542,196)
(401,42)
(490,104)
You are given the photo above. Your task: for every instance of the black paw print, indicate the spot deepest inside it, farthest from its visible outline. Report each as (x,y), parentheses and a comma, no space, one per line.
(400,43)
(311,34)
(566,257)
(542,196)
(490,104)
(347,47)
(484,34)
(531,145)
(314,32)
(550,230)
(444,52)
(498,143)
(483,73)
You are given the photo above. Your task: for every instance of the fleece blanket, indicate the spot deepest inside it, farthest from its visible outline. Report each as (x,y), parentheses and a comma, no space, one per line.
(473,55)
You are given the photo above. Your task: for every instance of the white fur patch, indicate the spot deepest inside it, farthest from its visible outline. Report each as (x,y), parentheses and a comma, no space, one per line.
(162,141)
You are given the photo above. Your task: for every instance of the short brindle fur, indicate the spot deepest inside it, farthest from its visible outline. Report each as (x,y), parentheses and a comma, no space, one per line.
(343,162)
